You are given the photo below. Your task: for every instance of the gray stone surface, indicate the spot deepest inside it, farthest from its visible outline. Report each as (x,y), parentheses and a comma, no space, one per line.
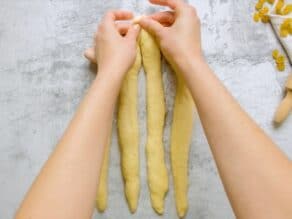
(43,76)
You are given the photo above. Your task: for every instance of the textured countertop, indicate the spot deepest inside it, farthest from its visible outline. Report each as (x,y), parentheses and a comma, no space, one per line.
(43,77)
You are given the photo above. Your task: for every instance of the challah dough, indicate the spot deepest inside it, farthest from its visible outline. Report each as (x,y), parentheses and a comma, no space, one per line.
(181,133)
(128,132)
(102,190)
(157,171)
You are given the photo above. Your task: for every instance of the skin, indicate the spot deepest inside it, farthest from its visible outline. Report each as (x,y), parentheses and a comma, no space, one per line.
(256,175)
(67,184)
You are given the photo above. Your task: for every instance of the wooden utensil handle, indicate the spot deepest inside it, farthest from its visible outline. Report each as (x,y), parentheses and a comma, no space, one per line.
(284,108)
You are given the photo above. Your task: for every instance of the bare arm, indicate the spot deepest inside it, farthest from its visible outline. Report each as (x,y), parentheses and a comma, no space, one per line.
(256,175)
(66,186)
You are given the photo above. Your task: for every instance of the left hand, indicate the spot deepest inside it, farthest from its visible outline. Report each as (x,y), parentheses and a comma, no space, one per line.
(115,43)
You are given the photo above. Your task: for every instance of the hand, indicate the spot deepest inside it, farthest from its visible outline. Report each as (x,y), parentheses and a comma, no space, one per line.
(90,53)
(114,44)
(181,38)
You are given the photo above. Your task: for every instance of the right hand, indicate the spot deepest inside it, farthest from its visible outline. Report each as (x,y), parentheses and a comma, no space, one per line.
(115,45)
(181,39)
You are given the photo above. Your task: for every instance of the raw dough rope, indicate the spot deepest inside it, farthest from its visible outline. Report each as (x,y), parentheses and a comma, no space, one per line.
(181,134)
(128,132)
(156,167)
(102,190)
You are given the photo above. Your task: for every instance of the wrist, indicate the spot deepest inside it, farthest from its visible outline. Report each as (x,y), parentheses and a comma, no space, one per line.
(185,64)
(111,77)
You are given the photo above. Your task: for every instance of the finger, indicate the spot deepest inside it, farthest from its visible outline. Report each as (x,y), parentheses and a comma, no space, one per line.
(133,32)
(123,28)
(166,17)
(173,4)
(151,26)
(118,15)
(90,54)
(165,24)
(112,16)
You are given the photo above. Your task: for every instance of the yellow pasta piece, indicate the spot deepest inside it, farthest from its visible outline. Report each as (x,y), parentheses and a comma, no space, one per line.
(279,6)
(275,54)
(102,190)
(256,17)
(290,29)
(281,67)
(262,14)
(286,27)
(284,33)
(264,11)
(265,19)
(280,59)
(258,6)
(286,23)
(181,133)
(287,9)
(156,167)
(128,132)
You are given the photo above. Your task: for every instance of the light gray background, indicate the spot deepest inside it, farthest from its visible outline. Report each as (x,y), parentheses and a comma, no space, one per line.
(43,77)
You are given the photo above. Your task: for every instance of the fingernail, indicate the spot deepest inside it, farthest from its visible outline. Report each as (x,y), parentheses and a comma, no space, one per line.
(136,26)
(137,19)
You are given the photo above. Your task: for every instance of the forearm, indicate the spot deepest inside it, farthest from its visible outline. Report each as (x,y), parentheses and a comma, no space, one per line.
(66,186)
(255,173)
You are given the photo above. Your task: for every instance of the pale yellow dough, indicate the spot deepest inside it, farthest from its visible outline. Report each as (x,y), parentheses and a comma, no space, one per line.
(102,190)
(128,132)
(181,134)
(157,171)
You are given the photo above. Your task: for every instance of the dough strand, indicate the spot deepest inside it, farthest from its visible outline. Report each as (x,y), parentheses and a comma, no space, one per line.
(102,190)
(157,171)
(128,132)
(181,134)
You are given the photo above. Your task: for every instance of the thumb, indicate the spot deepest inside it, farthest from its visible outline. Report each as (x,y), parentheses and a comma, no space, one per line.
(151,26)
(133,32)
(90,54)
